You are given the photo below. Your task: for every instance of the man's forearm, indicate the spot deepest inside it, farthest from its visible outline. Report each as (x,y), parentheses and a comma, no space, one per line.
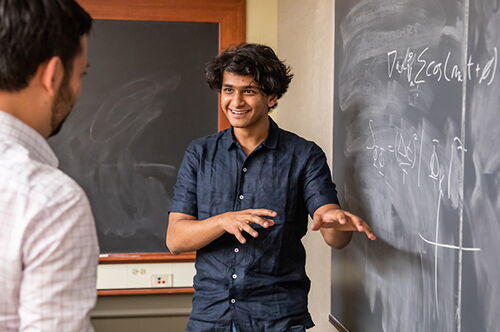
(185,235)
(335,238)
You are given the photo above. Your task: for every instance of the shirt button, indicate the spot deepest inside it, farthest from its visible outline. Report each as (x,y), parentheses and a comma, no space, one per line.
(235,276)
(236,249)
(244,169)
(233,301)
(241,196)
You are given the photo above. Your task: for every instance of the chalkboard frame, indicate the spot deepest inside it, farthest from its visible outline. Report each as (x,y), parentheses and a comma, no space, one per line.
(338,325)
(231,18)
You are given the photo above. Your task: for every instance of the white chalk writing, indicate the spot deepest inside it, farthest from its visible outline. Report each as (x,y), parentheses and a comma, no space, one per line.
(418,68)
(408,151)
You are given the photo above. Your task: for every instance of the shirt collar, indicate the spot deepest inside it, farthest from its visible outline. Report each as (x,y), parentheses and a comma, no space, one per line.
(272,138)
(271,141)
(14,130)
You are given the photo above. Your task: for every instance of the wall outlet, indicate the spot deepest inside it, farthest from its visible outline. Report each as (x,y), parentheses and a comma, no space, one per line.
(137,272)
(162,280)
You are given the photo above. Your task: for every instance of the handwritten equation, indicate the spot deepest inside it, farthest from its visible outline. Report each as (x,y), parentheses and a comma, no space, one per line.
(418,68)
(406,149)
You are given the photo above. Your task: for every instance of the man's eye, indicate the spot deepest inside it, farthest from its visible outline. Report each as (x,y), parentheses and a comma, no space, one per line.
(249,91)
(227,90)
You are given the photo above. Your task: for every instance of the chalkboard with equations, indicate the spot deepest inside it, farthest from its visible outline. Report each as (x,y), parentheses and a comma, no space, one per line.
(416,154)
(144,99)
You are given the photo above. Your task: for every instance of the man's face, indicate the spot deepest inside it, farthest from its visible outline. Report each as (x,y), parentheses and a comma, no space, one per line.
(242,101)
(69,91)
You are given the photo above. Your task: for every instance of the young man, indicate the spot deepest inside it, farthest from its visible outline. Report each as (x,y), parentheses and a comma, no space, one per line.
(48,243)
(241,201)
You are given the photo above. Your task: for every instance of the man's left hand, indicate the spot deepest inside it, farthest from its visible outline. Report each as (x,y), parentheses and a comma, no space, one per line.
(341,220)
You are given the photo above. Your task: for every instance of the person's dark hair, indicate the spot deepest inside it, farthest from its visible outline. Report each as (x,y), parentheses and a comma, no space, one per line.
(259,61)
(32,32)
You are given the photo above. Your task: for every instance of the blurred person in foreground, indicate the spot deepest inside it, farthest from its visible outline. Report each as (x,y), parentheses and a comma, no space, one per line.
(48,244)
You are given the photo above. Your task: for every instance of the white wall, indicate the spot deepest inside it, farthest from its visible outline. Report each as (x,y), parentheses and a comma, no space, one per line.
(262,22)
(305,41)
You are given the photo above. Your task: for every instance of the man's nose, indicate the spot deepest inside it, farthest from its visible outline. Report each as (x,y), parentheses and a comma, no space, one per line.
(237,100)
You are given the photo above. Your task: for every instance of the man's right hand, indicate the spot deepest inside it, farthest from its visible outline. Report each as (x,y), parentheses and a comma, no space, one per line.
(185,233)
(238,222)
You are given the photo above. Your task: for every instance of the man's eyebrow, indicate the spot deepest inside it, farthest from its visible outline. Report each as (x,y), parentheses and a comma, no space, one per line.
(242,87)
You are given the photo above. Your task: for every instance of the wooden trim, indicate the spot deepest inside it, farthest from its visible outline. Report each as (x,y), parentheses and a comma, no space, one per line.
(143,291)
(154,257)
(140,313)
(338,325)
(229,14)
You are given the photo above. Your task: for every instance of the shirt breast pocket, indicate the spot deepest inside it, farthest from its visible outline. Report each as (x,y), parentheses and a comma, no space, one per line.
(219,202)
(277,194)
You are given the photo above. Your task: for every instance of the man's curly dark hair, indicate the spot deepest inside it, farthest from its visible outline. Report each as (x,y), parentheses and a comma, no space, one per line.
(259,61)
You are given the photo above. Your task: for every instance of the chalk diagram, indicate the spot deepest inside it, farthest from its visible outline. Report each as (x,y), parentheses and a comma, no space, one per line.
(407,151)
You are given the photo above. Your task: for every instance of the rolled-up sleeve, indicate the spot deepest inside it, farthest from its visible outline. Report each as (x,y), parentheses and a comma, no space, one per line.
(319,188)
(185,200)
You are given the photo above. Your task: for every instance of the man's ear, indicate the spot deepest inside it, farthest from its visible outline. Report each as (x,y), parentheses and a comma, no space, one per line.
(52,73)
(271,102)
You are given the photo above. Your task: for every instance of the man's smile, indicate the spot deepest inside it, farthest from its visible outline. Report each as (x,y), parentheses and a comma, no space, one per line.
(238,112)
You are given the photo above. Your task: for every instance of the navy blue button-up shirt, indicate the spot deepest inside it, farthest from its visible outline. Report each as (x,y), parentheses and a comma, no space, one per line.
(260,285)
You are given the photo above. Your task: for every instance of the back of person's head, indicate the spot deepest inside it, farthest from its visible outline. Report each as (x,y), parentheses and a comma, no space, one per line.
(259,61)
(32,32)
